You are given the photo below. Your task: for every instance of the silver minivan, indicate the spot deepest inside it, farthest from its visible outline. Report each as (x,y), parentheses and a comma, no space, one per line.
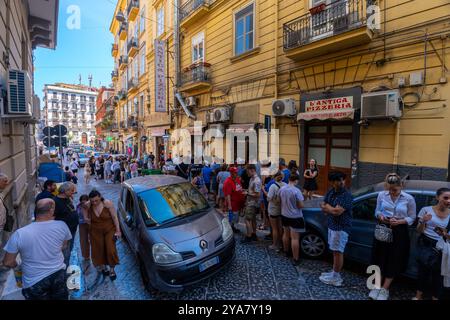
(178,237)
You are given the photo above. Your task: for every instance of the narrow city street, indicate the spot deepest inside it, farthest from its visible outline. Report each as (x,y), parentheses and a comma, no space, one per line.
(256,273)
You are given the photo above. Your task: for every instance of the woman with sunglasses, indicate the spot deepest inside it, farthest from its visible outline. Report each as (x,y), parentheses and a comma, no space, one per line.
(433,225)
(396,210)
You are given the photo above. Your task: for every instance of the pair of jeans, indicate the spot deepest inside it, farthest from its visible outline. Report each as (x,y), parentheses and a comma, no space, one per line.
(53,287)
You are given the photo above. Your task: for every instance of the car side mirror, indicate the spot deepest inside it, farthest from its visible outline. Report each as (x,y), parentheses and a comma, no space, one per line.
(129,220)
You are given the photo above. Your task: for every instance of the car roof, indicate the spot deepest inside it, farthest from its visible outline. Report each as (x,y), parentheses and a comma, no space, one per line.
(141,184)
(418,185)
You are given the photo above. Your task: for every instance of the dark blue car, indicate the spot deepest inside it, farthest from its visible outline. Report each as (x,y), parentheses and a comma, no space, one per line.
(359,248)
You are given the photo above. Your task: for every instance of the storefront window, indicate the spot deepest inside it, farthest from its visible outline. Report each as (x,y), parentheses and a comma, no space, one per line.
(341,158)
(319,154)
(342,142)
(317,129)
(317,142)
(341,129)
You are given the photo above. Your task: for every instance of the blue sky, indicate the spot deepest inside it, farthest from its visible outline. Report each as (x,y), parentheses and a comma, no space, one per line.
(79,51)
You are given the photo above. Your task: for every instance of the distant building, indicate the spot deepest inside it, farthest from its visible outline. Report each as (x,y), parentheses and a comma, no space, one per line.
(104,115)
(73,106)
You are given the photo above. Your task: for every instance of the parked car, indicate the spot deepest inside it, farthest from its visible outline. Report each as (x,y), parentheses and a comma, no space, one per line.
(178,237)
(83,159)
(359,248)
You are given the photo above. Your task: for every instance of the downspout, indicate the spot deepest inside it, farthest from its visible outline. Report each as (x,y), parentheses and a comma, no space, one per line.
(396,146)
(176,45)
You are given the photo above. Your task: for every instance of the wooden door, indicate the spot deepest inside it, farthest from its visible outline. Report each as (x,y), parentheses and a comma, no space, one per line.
(330,144)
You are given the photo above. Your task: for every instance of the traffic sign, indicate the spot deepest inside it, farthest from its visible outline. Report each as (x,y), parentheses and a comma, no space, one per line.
(47,131)
(60,130)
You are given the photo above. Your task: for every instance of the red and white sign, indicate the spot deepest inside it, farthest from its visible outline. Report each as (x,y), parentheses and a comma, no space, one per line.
(333,108)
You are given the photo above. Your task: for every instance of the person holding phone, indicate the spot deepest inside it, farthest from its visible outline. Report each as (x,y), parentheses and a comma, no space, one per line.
(397,210)
(104,232)
(434,222)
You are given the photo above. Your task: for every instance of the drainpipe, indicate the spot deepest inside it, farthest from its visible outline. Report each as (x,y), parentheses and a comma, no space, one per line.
(176,45)
(396,145)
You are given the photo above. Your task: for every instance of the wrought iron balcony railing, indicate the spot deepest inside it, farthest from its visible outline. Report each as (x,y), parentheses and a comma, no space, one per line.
(133,83)
(325,21)
(196,73)
(190,6)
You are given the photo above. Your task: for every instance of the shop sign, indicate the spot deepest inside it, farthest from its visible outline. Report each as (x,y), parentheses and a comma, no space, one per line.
(160,76)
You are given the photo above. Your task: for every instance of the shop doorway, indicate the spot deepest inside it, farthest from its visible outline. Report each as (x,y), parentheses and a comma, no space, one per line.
(330,144)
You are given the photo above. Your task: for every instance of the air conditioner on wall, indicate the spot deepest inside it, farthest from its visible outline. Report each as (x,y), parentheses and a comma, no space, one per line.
(19,100)
(381,105)
(218,115)
(284,108)
(191,101)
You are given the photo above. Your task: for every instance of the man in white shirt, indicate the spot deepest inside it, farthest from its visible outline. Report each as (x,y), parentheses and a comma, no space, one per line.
(40,245)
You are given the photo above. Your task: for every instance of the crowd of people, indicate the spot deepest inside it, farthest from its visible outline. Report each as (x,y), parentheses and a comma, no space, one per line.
(240,192)
(46,244)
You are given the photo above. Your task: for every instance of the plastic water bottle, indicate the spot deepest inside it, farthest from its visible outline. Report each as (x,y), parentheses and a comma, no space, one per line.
(230,216)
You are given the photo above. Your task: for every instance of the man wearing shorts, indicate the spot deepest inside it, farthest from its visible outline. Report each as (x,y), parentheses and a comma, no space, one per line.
(292,217)
(252,203)
(337,205)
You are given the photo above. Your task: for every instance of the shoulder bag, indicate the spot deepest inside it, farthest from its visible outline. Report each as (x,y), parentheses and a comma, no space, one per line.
(383,233)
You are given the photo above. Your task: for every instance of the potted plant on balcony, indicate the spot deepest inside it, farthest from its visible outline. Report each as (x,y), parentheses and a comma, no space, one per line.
(317,9)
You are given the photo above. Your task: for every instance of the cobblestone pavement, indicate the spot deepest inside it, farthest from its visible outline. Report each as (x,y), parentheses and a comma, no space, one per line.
(256,273)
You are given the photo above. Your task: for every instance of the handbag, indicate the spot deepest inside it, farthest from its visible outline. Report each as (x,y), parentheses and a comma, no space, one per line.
(383,233)
(9,223)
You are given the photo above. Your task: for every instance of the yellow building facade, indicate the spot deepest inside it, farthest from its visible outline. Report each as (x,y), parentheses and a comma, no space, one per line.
(361,86)
(135,26)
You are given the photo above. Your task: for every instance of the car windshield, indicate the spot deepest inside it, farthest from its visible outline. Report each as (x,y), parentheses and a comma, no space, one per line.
(363,190)
(171,202)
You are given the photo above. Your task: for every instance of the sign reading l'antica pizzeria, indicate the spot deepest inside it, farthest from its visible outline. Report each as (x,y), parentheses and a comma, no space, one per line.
(331,108)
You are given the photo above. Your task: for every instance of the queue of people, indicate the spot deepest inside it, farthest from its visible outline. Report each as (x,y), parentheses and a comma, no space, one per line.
(46,244)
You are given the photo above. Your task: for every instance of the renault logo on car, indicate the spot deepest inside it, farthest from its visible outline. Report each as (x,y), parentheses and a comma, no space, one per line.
(203,244)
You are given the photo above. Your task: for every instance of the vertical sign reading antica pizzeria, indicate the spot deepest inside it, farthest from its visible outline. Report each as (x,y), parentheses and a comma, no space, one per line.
(160,76)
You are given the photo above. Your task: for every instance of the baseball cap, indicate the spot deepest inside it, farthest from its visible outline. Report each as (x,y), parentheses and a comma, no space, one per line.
(233,170)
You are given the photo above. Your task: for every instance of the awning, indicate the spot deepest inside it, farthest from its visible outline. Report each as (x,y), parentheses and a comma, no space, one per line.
(241,128)
(325,115)
(192,130)
(158,131)
(129,137)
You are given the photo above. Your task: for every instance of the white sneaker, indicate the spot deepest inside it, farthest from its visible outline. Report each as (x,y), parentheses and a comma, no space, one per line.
(326,274)
(374,294)
(383,295)
(332,280)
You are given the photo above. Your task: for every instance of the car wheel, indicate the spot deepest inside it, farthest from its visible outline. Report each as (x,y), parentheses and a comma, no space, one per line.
(313,245)
(144,275)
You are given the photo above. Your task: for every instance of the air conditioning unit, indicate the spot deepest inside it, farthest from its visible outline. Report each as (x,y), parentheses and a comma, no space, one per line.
(284,107)
(220,115)
(381,105)
(190,101)
(19,100)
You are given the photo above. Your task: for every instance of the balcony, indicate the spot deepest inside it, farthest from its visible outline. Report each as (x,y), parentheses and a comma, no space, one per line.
(123,62)
(192,11)
(123,124)
(122,94)
(133,85)
(132,122)
(114,50)
(132,47)
(133,9)
(64,98)
(327,28)
(196,78)
(123,31)
(114,75)
(114,127)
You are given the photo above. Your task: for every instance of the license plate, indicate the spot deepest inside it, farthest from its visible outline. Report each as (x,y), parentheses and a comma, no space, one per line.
(208,264)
